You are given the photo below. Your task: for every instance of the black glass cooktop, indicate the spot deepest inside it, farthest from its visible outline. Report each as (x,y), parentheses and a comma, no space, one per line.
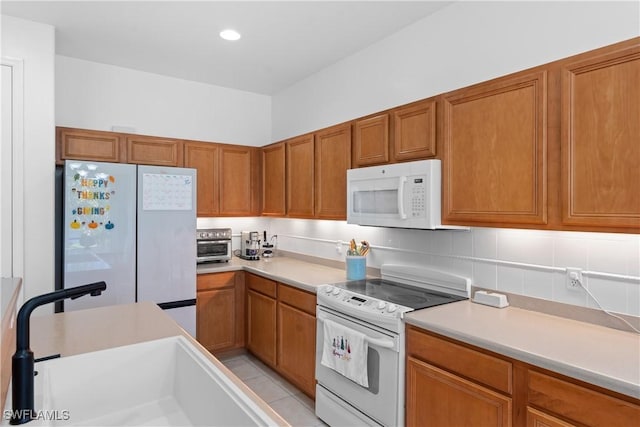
(398,293)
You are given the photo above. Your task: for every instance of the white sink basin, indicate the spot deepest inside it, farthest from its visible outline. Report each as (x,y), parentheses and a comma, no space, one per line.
(162,382)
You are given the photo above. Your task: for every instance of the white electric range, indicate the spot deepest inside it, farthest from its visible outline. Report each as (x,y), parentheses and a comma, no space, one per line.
(375,308)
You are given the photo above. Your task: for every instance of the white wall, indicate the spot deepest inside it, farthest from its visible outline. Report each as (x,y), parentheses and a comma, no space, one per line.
(462,44)
(97,96)
(465,43)
(34,43)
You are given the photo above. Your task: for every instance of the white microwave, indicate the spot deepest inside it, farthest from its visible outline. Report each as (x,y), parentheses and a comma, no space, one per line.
(402,195)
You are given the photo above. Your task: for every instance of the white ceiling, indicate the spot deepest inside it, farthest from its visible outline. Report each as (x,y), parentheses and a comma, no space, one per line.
(282,42)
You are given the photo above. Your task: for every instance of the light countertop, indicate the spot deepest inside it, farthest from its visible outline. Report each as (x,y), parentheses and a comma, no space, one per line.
(291,271)
(84,331)
(595,354)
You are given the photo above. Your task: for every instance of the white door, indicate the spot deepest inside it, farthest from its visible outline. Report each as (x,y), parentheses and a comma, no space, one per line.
(6,193)
(11,181)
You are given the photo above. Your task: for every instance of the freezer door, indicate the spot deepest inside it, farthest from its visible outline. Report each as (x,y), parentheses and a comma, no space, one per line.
(99,231)
(185,317)
(166,234)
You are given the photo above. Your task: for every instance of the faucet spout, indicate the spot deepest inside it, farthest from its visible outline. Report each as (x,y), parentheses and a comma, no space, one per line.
(22,361)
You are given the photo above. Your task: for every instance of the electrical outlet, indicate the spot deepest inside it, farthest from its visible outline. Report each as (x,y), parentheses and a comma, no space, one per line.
(574,278)
(339,246)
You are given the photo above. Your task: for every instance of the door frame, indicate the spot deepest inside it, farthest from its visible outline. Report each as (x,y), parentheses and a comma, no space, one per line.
(16,164)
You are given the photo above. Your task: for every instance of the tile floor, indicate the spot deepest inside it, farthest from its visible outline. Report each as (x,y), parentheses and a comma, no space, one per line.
(292,405)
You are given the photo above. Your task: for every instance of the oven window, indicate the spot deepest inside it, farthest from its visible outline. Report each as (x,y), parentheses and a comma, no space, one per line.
(376,202)
(212,248)
(373,370)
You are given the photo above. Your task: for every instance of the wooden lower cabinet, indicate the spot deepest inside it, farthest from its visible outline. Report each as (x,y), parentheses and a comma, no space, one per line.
(449,383)
(537,418)
(438,398)
(452,385)
(220,311)
(579,402)
(297,337)
(281,329)
(261,318)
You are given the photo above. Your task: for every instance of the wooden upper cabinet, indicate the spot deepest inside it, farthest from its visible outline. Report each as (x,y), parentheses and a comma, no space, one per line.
(80,144)
(494,160)
(300,176)
(414,131)
(150,150)
(204,158)
(601,139)
(273,180)
(332,159)
(371,141)
(237,172)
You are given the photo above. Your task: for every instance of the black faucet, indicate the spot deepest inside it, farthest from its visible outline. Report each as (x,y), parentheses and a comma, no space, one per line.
(22,361)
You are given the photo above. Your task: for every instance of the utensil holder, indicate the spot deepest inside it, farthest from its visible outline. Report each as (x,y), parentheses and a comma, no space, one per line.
(356,267)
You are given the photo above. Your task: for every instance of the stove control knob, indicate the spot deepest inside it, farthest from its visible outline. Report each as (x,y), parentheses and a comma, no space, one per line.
(336,291)
(328,289)
(381,305)
(391,308)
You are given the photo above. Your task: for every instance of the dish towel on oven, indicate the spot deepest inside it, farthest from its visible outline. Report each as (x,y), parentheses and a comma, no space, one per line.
(345,351)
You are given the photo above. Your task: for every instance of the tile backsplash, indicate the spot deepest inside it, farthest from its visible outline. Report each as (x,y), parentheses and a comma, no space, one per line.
(526,262)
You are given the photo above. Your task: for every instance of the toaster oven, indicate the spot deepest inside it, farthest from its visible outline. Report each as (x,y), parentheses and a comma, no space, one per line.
(214,245)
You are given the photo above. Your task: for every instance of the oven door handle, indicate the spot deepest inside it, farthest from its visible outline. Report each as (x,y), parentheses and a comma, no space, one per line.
(378,342)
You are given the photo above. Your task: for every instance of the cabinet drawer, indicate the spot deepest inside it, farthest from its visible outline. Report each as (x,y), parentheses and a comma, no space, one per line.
(216,280)
(579,403)
(488,370)
(302,300)
(261,285)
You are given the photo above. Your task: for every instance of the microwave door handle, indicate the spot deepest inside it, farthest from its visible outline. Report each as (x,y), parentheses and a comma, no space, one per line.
(402,181)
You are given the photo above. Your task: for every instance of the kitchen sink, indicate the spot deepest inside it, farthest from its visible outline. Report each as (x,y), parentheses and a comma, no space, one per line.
(162,382)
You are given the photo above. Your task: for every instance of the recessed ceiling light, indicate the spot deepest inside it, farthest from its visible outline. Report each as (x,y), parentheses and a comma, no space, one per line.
(229,34)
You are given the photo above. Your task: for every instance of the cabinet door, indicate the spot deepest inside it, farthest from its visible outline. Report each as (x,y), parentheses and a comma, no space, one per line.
(204,158)
(414,130)
(332,159)
(79,144)
(494,160)
(438,398)
(300,176)
(149,150)
(297,347)
(537,418)
(236,180)
(220,316)
(273,180)
(579,402)
(215,326)
(601,140)
(261,327)
(371,141)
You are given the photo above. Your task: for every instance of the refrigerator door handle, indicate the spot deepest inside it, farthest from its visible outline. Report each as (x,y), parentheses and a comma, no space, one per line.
(177,304)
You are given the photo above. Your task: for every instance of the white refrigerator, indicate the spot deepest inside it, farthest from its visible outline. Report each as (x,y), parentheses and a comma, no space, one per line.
(134,228)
